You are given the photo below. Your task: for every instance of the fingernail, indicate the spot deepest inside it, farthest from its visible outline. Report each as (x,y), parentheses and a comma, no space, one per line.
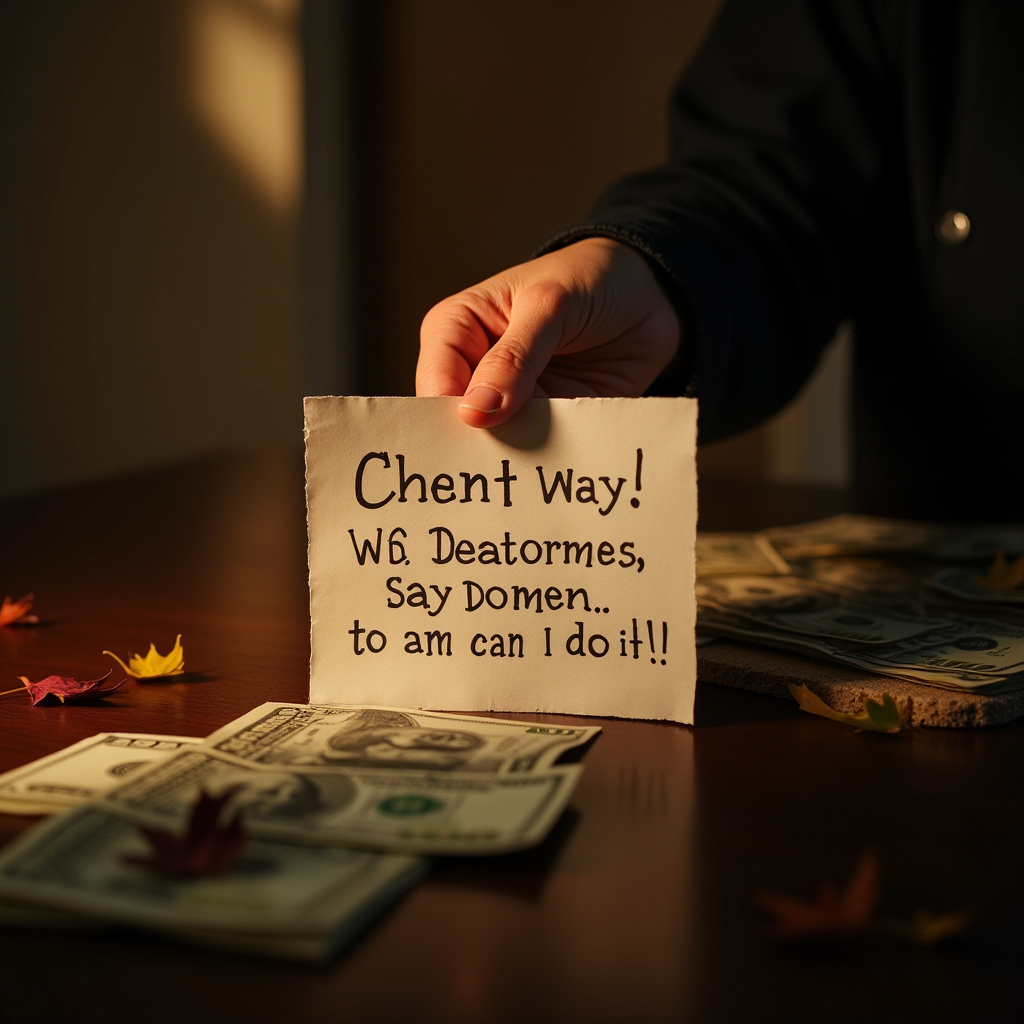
(482,399)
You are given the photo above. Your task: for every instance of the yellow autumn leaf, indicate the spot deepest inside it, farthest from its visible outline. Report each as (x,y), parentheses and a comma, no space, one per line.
(154,665)
(1002,576)
(876,717)
(927,929)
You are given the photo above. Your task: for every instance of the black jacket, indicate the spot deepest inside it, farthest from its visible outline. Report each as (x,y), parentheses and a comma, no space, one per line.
(816,149)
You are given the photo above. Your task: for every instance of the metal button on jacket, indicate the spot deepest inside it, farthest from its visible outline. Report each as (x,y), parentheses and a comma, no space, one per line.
(953,227)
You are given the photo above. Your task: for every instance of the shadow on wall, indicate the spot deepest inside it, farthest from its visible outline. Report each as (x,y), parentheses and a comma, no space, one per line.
(148,263)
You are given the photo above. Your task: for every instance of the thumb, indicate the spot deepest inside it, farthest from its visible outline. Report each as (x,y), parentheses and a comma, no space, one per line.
(507,374)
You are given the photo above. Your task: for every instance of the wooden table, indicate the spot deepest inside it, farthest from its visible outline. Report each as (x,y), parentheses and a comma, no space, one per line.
(638,908)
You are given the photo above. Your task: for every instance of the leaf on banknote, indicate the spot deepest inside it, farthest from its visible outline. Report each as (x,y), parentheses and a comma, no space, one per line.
(65,688)
(833,914)
(925,929)
(886,716)
(154,665)
(17,613)
(1002,576)
(207,848)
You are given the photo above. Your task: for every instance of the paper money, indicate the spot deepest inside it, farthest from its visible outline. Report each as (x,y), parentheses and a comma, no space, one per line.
(399,812)
(962,654)
(803,606)
(870,535)
(973,651)
(876,581)
(849,534)
(965,585)
(747,554)
(722,624)
(396,739)
(278,899)
(84,771)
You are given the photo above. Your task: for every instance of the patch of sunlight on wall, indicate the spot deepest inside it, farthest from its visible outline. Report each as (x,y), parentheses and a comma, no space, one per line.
(246,84)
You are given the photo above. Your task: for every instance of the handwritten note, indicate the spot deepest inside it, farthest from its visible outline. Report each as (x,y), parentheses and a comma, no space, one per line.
(545,565)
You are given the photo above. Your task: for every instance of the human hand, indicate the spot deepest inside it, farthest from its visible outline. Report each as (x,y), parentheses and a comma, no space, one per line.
(587,320)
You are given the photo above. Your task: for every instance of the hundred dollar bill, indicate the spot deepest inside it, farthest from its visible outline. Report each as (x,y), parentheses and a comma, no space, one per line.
(971,649)
(278,899)
(849,534)
(747,554)
(966,586)
(396,739)
(400,812)
(721,624)
(931,658)
(876,581)
(83,771)
(869,535)
(803,606)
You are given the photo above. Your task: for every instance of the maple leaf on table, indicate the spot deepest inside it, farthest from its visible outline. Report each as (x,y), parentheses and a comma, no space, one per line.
(154,665)
(65,688)
(206,848)
(832,914)
(927,929)
(886,716)
(1002,576)
(16,613)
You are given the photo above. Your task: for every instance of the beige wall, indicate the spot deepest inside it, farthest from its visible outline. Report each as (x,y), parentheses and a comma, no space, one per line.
(154,302)
(149,197)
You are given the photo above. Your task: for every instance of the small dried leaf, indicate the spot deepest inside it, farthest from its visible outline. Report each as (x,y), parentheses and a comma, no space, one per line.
(1003,577)
(927,929)
(886,716)
(66,688)
(206,848)
(154,665)
(832,914)
(16,613)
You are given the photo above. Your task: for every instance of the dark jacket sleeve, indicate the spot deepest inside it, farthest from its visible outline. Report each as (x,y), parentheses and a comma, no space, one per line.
(780,131)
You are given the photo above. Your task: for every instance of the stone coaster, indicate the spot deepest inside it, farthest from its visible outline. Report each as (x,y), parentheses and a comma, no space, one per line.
(767,671)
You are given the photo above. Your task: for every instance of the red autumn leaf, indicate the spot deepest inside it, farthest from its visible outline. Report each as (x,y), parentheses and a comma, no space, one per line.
(66,688)
(206,848)
(16,613)
(832,914)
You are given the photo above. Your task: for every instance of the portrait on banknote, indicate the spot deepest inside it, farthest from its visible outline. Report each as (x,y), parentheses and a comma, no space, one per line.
(283,796)
(317,735)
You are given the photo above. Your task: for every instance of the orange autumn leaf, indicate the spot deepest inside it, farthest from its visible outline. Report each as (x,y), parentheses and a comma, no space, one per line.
(1002,576)
(833,913)
(16,613)
(154,665)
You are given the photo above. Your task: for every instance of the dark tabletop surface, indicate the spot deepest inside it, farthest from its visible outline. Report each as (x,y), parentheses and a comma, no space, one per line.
(639,906)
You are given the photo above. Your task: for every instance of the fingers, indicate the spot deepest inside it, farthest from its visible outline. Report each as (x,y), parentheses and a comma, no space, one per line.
(453,339)
(506,374)
(596,306)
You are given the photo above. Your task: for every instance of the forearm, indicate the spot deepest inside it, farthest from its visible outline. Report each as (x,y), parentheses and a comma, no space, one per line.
(758,221)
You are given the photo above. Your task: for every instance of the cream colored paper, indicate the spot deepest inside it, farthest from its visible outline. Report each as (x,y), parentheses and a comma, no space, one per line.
(432,601)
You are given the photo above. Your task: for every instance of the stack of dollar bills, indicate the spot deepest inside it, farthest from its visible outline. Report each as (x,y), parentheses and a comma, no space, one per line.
(941,605)
(342,806)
